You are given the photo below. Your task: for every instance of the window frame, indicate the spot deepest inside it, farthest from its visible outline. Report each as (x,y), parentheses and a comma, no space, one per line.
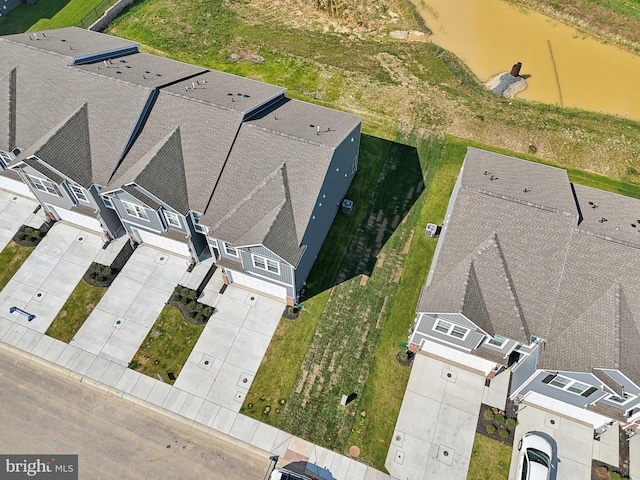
(493,339)
(43,182)
(354,165)
(171,215)
(136,209)
(5,158)
(78,192)
(229,250)
(107,202)
(274,264)
(629,397)
(450,327)
(570,383)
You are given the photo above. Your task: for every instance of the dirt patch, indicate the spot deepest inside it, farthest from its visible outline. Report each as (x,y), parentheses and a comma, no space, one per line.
(62,314)
(397,274)
(380,262)
(407,245)
(242,54)
(384,306)
(363,280)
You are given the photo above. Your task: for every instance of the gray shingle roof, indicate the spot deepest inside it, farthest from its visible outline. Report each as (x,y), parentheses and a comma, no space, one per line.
(206,136)
(528,268)
(67,148)
(143,197)
(227,91)
(304,121)
(143,69)
(71,42)
(161,173)
(8,117)
(49,92)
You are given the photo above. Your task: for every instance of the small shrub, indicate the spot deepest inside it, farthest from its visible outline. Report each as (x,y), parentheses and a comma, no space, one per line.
(615,476)
(499,418)
(488,414)
(134,364)
(491,429)
(28,231)
(92,275)
(176,297)
(184,300)
(199,307)
(106,271)
(200,318)
(511,423)
(22,236)
(184,291)
(192,314)
(503,432)
(192,295)
(207,312)
(33,239)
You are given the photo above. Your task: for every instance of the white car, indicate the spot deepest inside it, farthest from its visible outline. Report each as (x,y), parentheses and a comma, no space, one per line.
(534,461)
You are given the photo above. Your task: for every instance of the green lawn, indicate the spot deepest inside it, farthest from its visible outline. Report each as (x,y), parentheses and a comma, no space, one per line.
(490,459)
(11,259)
(75,311)
(47,14)
(167,346)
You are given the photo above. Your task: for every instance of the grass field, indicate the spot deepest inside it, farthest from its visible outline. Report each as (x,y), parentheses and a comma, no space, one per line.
(490,460)
(167,346)
(394,85)
(75,311)
(11,259)
(46,14)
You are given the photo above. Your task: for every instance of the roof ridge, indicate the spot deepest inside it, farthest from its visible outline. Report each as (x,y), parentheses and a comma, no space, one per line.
(617,337)
(511,286)
(12,107)
(282,134)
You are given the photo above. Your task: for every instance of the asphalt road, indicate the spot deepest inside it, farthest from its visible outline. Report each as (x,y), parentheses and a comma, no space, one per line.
(42,412)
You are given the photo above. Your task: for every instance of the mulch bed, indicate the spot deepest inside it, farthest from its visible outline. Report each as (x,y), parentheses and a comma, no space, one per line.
(481,427)
(600,470)
(116,266)
(184,309)
(291,315)
(39,235)
(405,362)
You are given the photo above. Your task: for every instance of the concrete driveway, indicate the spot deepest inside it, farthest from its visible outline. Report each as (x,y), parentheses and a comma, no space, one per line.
(228,353)
(14,212)
(123,317)
(436,427)
(46,279)
(574,441)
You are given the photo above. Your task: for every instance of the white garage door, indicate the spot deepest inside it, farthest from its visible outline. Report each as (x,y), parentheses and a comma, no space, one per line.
(260,285)
(77,219)
(173,246)
(14,186)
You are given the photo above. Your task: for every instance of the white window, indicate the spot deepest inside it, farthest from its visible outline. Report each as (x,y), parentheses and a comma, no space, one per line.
(199,228)
(44,185)
(135,210)
(5,158)
(570,385)
(266,264)
(625,398)
(172,219)
(451,329)
(354,164)
(497,341)
(79,193)
(229,250)
(107,201)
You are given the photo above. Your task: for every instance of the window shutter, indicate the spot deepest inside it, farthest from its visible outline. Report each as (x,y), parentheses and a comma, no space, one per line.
(588,392)
(548,378)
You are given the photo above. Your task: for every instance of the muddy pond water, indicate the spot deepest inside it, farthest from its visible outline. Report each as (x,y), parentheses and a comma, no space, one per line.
(566,66)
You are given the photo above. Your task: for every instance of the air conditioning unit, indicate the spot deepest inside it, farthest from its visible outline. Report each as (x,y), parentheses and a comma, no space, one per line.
(347,206)
(431,230)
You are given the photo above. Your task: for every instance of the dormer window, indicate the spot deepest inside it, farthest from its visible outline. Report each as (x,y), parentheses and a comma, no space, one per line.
(79,193)
(5,158)
(229,250)
(451,329)
(497,341)
(172,219)
(135,210)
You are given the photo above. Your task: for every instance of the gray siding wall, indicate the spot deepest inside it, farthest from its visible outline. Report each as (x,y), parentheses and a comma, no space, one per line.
(523,370)
(223,254)
(154,222)
(198,240)
(43,197)
(286,272)
(629,386)
(470,342)
(333,191)
(536,385)
(109,217)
